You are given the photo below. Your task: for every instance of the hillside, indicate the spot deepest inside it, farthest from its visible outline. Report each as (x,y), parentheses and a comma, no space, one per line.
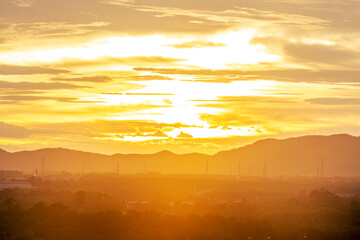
(298,156)
(271,157)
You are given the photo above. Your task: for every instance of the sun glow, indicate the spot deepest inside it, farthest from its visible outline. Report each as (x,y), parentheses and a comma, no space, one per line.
(182,102)
(199,77)
(186,92)
(192,132)
(234,49)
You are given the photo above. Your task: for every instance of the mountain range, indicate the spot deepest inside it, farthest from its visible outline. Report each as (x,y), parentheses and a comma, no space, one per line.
(334,155)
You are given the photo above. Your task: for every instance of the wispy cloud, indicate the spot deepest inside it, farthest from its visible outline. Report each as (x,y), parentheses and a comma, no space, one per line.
(197,44)
(84,73)
(335,101)
(22,3)
(37,85)
(94,79)
(126,61)
(28,70)
(49,29)
(13,131)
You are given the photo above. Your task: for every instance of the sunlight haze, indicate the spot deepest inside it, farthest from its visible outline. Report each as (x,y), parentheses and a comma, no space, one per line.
(187,76)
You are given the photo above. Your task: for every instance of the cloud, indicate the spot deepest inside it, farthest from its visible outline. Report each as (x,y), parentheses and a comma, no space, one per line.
(197,44)
(75,110)
(100,127)
(239,111)
(335,101)
(26,70)
(278,98)
(147,17)
(312,76)
(44,19)
(323,54)
(158,133)
(91,17)
(22,3)
(277,115)
(147,78)
(27,98)
(128,61)
(141,94)
(12,131)
(286,28)
(117,2)
(138,134)
(227,11)
(310,53)
(281,75)
(50,29)
(20,92)
(181,71)
(94,79)
(184,135)
(37,85)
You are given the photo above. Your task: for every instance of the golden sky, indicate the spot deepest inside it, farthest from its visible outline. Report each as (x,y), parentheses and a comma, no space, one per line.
(188,76)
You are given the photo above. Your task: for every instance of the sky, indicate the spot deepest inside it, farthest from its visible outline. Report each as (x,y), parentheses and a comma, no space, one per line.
(141,76)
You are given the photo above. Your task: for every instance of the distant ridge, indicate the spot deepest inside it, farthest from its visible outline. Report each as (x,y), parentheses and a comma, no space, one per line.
(299,155)
(286,157)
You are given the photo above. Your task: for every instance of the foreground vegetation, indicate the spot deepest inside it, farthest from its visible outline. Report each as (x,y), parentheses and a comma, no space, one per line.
(53,214)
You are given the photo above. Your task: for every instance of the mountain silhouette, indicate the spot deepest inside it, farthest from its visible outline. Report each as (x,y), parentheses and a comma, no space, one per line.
(337,155)
(298,156)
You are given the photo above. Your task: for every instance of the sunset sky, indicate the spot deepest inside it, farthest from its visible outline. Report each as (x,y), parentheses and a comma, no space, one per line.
(133,76)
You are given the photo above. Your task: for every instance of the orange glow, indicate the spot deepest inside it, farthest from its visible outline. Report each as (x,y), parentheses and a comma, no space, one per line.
(220,74)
